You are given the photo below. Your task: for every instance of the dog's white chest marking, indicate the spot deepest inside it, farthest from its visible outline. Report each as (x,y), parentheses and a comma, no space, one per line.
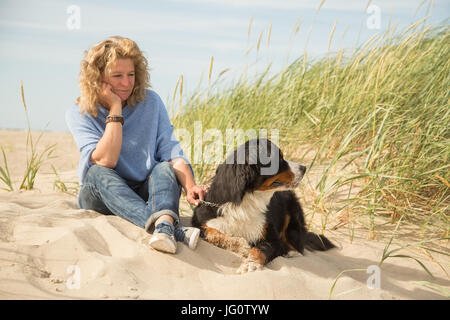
(246,220)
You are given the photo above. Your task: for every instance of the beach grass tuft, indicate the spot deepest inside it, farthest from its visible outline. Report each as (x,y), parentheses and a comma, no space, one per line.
(35,159)
(5,175)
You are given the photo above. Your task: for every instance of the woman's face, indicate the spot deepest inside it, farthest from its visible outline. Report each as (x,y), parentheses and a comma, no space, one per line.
(122,78)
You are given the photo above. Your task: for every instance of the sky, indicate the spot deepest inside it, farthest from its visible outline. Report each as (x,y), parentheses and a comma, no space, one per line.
(42,42)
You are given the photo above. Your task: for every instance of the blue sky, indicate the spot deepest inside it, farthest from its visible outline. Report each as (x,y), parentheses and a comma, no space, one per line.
(178,38)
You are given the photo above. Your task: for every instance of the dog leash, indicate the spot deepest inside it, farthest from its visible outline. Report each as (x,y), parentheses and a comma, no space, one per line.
(209,204)
(206,203)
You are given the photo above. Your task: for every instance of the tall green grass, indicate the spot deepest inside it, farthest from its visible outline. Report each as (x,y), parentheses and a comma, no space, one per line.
(5,175)
(34,158)
(384,108)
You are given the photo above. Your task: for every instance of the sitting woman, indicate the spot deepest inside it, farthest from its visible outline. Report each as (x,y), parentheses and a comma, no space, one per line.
(131,164)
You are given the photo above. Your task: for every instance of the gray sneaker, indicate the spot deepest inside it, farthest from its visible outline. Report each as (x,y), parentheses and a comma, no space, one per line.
(188,235)
(163,238)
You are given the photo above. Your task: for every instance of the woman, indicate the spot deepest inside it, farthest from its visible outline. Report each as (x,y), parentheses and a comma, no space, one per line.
(131,164)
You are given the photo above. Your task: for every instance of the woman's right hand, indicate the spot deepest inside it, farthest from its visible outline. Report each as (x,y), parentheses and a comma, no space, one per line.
(108,98)
(107,151)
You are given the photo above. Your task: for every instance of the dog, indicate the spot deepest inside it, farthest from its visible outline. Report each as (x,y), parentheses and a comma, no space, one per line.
(251,208)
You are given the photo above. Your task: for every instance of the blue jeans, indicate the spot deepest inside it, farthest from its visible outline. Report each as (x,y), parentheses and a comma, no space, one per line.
(141,203)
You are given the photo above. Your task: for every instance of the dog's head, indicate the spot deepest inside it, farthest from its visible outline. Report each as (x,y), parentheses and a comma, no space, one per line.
(257,165)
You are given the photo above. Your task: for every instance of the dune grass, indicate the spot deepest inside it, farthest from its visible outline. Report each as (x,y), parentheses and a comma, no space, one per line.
(69,187)
(384,109)
(34,158)
(5,174)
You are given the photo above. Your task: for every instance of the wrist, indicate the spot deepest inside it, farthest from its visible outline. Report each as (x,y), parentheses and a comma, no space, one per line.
(114,118)
(116,109)
(188,186)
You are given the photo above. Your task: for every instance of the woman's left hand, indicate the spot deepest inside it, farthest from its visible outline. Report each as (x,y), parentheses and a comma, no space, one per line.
(195,193)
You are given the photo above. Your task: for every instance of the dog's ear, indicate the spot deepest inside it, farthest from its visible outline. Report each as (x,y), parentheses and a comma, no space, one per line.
(230,183)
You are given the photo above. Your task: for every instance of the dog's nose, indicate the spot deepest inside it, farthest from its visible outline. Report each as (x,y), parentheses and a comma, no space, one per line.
(302,169)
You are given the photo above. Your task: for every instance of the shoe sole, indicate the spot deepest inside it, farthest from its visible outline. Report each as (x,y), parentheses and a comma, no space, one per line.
(193,241)
(162,244)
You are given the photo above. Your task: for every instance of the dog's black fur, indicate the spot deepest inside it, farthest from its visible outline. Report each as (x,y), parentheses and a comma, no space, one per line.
(284,224)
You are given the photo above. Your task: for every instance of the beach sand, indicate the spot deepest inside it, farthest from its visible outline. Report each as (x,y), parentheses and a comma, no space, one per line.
(51,249)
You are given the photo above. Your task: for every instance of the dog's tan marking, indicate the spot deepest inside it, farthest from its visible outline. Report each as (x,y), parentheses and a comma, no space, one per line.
(283,237)
(235,244)
(286,177)
(264,233)
(256,255)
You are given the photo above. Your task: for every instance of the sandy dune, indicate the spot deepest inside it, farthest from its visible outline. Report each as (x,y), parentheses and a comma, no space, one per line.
(50,249)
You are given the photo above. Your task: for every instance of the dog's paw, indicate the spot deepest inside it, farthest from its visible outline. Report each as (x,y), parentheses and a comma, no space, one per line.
(292,254)
(249,266)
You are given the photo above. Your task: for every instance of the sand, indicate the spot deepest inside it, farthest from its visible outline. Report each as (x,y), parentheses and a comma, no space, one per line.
(51,249)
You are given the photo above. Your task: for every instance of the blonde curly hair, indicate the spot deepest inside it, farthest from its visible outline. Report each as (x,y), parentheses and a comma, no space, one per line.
(97,63)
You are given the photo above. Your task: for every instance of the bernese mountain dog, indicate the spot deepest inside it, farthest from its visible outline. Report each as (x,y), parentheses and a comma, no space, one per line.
(251,208)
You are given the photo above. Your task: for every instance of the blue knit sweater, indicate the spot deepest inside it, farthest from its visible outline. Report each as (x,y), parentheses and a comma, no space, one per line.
(147,137)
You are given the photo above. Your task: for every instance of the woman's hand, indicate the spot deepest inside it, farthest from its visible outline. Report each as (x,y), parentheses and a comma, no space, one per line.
(108,98)
(183,171)
(195,193)
(107,151)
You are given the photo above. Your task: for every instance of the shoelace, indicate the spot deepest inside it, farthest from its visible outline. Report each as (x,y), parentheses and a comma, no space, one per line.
(178,232)
(165,227)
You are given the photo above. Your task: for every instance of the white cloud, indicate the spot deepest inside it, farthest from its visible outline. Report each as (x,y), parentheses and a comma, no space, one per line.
(16,50)
(341,5)
(8,23)
(98,20)
(104,18)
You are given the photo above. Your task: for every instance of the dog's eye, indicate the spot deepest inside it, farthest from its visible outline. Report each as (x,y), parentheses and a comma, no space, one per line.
(277,183)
